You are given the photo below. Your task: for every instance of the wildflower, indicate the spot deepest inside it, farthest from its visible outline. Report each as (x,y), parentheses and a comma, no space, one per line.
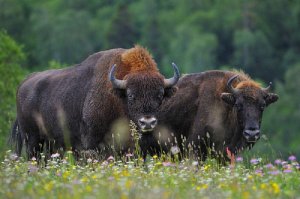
(55,155)
(284,163)
(175,150)
(292,158)
(105,163)
(88,188)
(276,172)
(277,161)
(258,172)
(287,171)
(32,168)
(254,161)
(239,159)
(13,157)
(155,157)
(195,163)
(269,166)
(167,164)
(110,158)
(129,155)
(275,187)
(263,186)
(89,160)
(33,159)
(49,186)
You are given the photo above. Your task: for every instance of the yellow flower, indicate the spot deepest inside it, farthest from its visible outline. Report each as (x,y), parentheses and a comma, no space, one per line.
(49,186)
(88,188)
(155,157)
(263,186)
(125,173)
(275,187)
(84,179)
(128,184)
(94,177)
(66,174)
(245,194)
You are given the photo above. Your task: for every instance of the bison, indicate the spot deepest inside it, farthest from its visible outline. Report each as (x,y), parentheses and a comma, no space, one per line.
(216,112)
(77,106)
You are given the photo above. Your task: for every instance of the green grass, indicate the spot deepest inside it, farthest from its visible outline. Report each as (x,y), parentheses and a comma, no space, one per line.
(130,178)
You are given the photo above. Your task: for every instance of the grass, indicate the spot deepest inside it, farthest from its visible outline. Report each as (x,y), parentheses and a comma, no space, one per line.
(158,178)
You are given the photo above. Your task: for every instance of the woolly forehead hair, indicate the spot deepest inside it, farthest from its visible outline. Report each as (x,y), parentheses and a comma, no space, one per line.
(138,59)
(248,84)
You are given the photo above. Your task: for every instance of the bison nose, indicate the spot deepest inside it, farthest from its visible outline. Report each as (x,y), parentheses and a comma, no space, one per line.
(252,134)
(147,124)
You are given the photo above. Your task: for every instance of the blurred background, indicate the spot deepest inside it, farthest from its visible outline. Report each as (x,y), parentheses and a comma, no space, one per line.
(260,37)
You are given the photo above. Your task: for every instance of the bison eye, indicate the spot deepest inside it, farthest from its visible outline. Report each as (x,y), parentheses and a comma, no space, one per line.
(130,97)
(262,107)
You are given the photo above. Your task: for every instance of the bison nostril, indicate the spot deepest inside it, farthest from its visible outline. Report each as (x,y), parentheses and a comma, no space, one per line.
(142,123)
(251,135)
(147,123)
(153,122)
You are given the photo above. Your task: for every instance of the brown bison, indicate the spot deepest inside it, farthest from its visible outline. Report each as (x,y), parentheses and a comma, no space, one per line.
(217,112)
(78,105)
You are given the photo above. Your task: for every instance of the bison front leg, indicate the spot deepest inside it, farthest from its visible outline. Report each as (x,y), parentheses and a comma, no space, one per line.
(34,146)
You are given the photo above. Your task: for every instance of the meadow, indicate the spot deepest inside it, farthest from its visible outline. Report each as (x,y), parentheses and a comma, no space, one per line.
(130,177)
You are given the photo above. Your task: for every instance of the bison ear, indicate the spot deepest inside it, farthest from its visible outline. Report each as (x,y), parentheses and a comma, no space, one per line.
(119,92)
(170,91)
(271,98)
(228,98)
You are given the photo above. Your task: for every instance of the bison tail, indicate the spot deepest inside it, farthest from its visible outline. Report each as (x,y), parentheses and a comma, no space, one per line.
(16,138)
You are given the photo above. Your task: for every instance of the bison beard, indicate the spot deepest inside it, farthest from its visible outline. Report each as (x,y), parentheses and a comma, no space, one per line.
(216,112)
(79,107)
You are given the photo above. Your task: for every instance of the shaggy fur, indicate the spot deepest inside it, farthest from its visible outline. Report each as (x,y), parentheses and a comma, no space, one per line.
(76,107)
(203,121)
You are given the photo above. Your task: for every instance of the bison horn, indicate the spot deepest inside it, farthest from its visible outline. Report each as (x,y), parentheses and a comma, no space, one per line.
(117,83)
(229,84)
(267,88)
(173,80)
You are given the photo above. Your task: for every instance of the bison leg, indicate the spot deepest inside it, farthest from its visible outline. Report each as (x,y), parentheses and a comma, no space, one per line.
(34,146)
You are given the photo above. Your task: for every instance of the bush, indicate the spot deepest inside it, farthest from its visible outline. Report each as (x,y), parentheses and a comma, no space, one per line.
(11,58)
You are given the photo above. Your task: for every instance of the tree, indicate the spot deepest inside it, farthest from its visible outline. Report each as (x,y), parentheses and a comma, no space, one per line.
(122,32)
(11,58)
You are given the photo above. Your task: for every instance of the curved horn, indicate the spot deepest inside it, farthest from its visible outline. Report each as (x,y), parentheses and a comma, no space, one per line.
(229,84)
(267,88)
(121,84)
(173,80)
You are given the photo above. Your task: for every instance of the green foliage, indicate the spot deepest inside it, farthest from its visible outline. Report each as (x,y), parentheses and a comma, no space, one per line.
(281,121)
(11,57)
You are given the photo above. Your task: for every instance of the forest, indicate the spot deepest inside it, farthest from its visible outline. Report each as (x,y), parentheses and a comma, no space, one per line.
(261,38)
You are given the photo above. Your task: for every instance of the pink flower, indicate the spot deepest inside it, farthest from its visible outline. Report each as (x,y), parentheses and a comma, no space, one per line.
(278,161)
(269,166)
(129,155)
(55,155)
(254,161)
(292,158)
(110,158)
(276,172)
(287,171)
(239,159)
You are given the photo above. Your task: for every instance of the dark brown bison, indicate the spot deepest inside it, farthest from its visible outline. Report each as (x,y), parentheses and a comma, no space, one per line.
(77,106)
(216,111)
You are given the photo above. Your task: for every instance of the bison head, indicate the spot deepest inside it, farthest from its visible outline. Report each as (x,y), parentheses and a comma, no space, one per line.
(143,93)
(249,102)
